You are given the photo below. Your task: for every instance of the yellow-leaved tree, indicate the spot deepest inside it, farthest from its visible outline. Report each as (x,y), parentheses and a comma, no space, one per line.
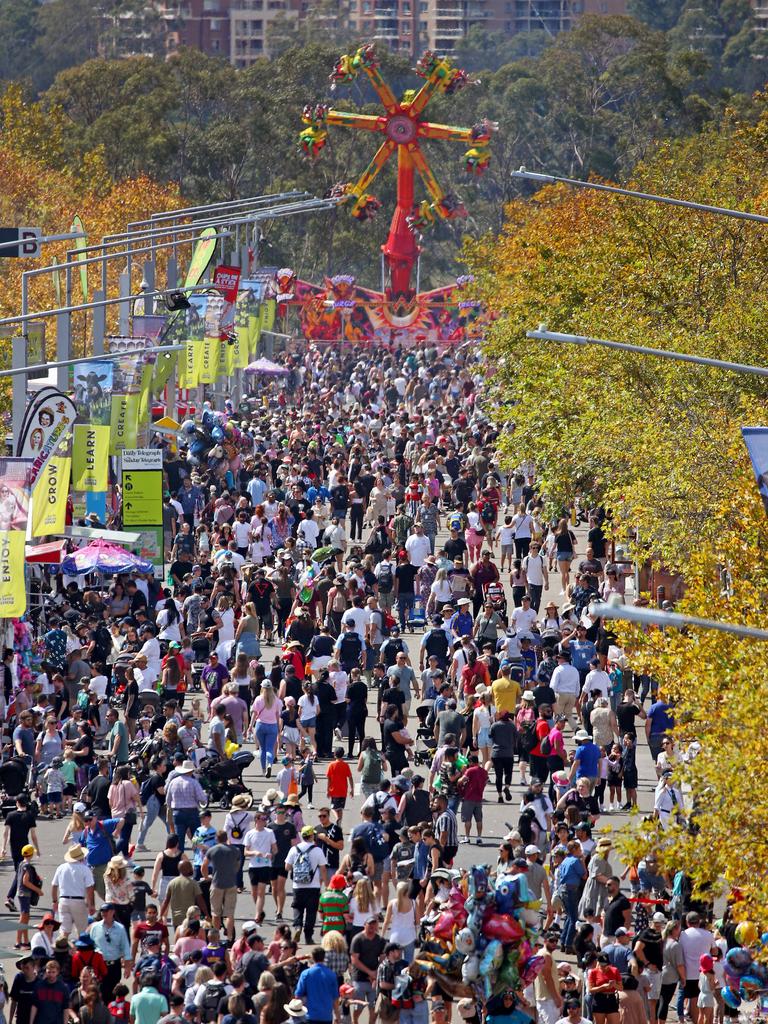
(659,442)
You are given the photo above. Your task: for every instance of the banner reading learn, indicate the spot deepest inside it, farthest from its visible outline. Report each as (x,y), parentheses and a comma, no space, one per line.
(90,454)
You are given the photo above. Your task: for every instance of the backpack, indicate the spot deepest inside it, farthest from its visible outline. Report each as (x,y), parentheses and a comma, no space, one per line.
(350,650)
(214,993)
(546,746)
(303,868)
(528,738)
(386,578)
(163,970)
(147,789)
(455,523)
(377,842)
(488,512)
(371,774)
(377,806)
(436,642)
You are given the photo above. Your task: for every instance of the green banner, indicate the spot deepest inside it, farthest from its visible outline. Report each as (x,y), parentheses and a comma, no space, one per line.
(123,423)
(164,367)
(209,364)
(90,455)
(80,244)
(201,257)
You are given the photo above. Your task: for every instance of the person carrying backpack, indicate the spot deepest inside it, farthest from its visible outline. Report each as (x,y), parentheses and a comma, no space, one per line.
(385,577)
(435,643)
(309,870)
(209,996)
(349,649)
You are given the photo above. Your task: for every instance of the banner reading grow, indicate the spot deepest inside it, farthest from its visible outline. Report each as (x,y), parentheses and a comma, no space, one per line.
(49,498)
(90,454)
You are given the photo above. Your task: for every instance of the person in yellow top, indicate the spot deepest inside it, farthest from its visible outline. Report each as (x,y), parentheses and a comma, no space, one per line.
(506,691)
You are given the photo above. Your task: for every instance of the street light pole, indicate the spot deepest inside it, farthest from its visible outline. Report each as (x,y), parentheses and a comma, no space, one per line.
(653,617)
(719,211)
(542,334)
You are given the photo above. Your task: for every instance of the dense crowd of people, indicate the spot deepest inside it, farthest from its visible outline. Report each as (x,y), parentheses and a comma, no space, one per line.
(369,537)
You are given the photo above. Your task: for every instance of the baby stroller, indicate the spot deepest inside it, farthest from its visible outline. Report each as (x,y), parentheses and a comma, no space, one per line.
(417,618)
(14,780)
(494,592)
(223,779)
(425,746)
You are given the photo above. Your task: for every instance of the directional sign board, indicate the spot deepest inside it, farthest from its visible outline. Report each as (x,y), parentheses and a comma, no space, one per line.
(142,480)
(27,242)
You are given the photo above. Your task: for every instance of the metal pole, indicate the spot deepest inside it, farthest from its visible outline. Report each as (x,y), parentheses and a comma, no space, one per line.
(19,390)
(67,237)
(684,357)
(99,324)
(720,211)
(189,211)
(653,617)
(62,350)
(23,369)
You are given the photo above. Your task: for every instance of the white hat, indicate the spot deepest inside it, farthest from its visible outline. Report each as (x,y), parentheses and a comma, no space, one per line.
(528,695)
(187,767)
(295,1008)
(532,851)
(480,689)
(659,918)
(463,600)
(582,736)
(79,807)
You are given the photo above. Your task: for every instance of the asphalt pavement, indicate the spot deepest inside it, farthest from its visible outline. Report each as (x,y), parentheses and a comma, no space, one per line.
(498,819)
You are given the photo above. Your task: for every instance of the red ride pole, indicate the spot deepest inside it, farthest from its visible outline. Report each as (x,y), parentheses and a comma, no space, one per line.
(400,249)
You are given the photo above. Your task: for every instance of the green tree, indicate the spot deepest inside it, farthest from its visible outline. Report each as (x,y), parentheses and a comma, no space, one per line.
(19,34)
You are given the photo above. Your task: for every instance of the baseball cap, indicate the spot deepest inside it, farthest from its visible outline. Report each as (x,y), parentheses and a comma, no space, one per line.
(659,918)
(308,831)
(531,851)
(621,931)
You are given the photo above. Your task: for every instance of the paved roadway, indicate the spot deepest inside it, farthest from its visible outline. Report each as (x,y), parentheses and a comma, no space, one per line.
(496,818)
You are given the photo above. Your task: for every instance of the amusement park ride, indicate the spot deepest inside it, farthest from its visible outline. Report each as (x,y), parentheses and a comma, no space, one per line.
(342,311)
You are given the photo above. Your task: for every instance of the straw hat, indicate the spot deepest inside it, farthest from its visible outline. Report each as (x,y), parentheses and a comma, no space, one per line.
(74,854)
(292,800)
(242,801)
(295,1008)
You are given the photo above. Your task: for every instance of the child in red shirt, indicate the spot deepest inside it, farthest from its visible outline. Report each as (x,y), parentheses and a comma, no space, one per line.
(339,781)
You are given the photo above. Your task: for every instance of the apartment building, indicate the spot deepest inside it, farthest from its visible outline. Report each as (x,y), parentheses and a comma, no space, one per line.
(233,29)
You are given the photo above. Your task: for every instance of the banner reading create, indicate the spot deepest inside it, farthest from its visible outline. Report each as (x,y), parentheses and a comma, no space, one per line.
(124,423)
(90,454)
(209,365)
(49,498)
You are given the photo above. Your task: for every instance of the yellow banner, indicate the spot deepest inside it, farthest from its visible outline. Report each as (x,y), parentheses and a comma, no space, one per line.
(123,423)
(49,497)
(209,363)
(254,332)
(240,348)
(146,386)
(229,359)
(13,589)
(90,454)
(268,310)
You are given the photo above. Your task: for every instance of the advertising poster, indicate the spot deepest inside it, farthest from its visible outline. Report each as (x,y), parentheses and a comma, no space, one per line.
(142,483)
(48,421)
(90,455)
(49,498)
(92,389)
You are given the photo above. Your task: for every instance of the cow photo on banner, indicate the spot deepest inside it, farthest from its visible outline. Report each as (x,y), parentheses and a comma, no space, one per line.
(92,390)
(14,513)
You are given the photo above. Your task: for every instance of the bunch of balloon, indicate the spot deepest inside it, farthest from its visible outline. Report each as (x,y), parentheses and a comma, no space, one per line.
(215,442)
(746,978)
(481,943)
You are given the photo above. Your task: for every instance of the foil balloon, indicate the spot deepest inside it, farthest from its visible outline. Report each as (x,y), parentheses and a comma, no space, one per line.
(739,960)
(746,933)
(531,969)
(730,998)
(502,927)
(470,969)
(464,941)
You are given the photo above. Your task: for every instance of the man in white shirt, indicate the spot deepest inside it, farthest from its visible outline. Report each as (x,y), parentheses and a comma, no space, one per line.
(418,546)
(566,683)
(535,569)
(309,530)
(597,680)
(151,651)
(72,892)
(524,618)
(306,894)
(694,942)
(260,848)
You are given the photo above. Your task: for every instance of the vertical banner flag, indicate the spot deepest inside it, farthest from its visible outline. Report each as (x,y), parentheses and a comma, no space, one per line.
(48,421)
(142,487)
(90,455)
(14,512)
(49,498)
(268,309)
(124,423)
(209,364)
(80,244)
(92,388)
(756,440)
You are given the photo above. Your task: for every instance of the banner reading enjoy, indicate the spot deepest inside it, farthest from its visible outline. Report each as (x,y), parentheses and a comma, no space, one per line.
(90,455)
